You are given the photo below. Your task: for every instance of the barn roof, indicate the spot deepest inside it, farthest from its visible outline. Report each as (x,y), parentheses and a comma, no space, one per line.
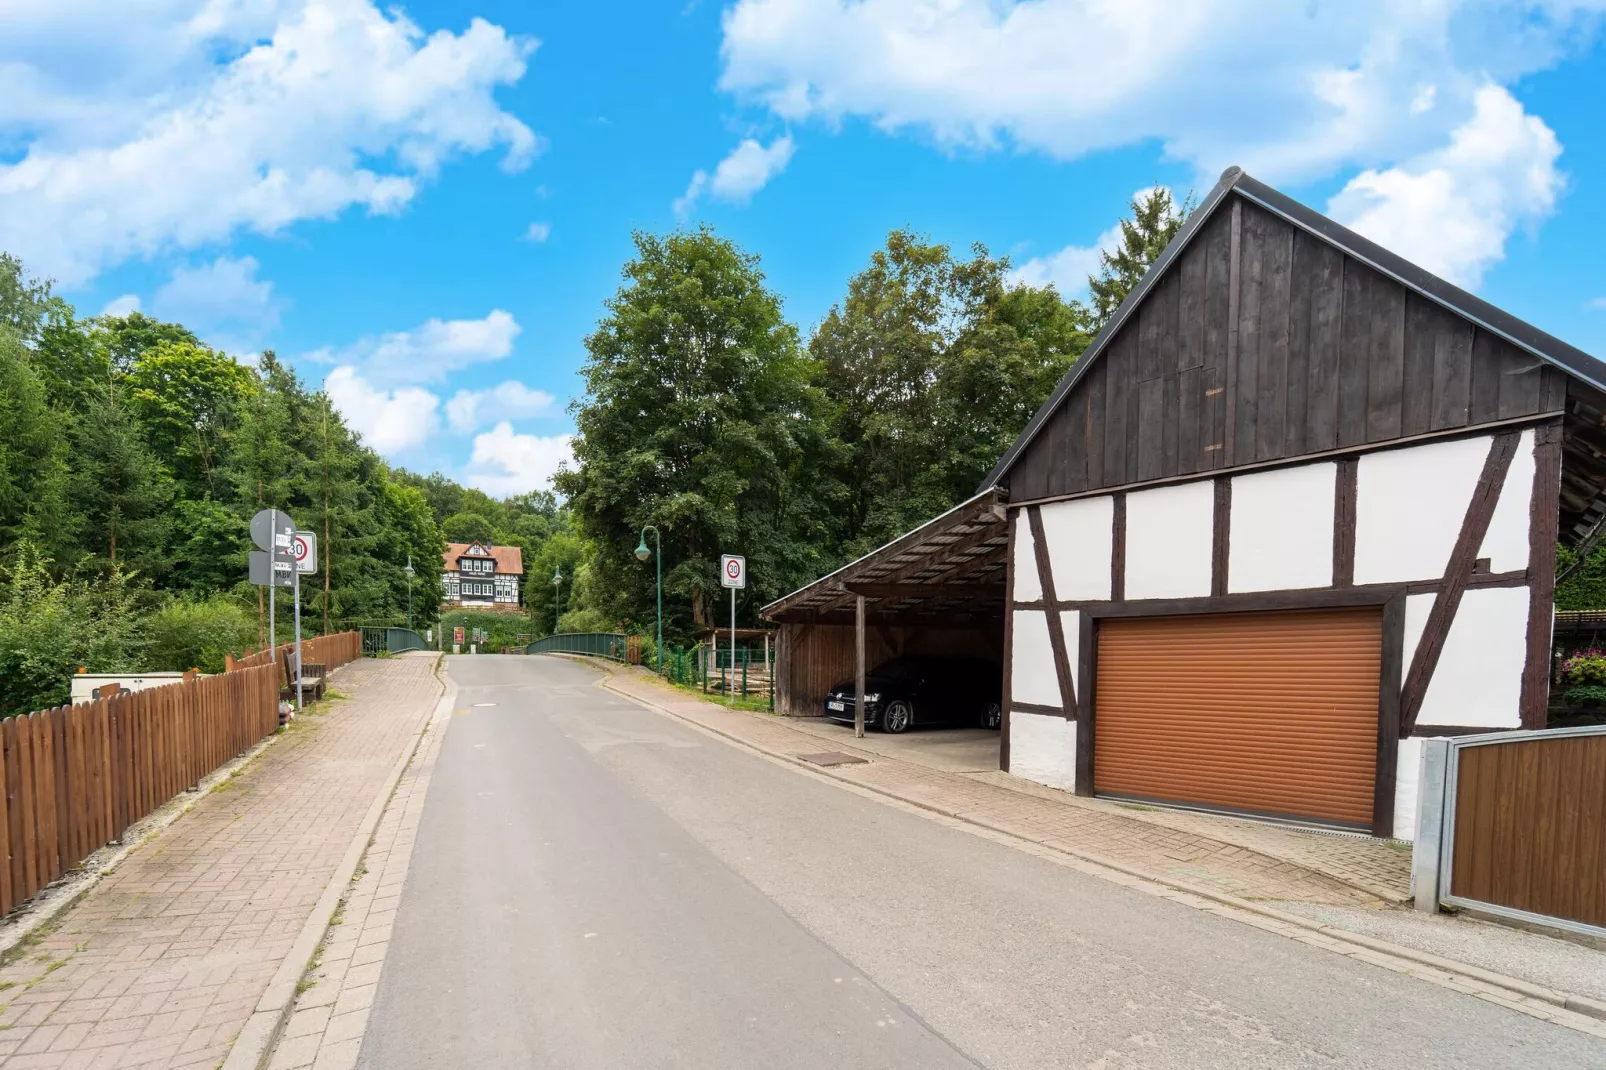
(1574,362)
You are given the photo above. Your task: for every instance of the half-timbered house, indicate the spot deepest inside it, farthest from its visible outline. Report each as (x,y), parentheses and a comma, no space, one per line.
(1296,508)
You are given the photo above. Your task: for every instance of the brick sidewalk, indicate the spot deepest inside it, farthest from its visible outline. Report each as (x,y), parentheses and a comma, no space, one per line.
(164,961)
(326,1026)
(1174,846)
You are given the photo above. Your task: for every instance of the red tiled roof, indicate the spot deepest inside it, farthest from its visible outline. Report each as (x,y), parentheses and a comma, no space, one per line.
(509,559)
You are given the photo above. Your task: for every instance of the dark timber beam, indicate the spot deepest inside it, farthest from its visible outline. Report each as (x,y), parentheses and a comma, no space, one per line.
(926,590)
(1474,526)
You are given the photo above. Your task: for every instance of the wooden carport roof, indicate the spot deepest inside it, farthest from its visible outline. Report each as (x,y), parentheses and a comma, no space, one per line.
(948,571)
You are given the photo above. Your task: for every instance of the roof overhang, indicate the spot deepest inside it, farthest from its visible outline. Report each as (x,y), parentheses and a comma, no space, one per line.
(948,571)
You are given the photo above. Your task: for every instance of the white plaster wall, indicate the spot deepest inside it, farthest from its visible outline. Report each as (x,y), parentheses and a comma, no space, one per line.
(1168,538)
(1478,681)
(1032,677)
(1027,586)
(1409,506)
(1506,543)
(1282,529)
(1043,748)
(1079,536)
(1407,775)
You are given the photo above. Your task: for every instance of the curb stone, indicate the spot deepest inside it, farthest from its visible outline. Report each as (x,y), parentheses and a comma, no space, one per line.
(254,1045)
(1522,994)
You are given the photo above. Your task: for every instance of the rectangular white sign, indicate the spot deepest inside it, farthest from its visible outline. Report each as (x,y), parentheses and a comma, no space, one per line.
(733,571)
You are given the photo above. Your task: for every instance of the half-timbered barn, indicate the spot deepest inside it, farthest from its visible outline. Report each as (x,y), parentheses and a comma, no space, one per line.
(1295,509)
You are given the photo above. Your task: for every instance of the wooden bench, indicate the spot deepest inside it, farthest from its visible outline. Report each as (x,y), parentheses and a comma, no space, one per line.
(313,676)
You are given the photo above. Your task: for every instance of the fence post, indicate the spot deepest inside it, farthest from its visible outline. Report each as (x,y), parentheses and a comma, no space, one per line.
(747,656)
(1432,803)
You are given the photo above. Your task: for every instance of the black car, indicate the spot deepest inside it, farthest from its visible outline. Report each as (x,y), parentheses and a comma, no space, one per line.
(923,691)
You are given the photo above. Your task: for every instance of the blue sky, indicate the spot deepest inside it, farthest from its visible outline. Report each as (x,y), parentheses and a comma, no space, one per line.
(426,206)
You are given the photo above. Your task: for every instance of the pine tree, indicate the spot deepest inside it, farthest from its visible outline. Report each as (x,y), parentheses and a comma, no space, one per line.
(1155,220)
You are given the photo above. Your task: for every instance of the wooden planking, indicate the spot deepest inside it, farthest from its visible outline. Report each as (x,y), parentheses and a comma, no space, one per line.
(1530,826)
(1271,377)
(1313,352)
(1385,377)
(74,778)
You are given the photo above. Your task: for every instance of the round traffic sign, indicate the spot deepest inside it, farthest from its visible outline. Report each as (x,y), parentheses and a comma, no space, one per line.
(733,569)
(300,547)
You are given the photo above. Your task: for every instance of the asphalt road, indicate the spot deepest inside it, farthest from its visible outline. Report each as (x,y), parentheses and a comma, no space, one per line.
(598,885)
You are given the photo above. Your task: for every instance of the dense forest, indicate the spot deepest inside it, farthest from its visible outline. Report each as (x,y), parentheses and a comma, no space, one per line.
(132,454)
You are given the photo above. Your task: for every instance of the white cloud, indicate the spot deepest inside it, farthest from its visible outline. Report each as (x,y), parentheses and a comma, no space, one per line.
(390,421)
(505,462)
(538,232)
(121,306)
(511,400)
(1288,90)
(139,140)
(1597,304)
(1069,268)
(1292,92)
(428,352)
(223,301)
(742,173)
(1452,210)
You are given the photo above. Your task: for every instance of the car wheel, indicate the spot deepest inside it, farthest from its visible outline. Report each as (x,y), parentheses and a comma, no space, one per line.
(897,716)
(994,716)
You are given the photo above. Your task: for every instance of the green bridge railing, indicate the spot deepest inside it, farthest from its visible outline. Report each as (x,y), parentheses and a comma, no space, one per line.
(392,640)
(598,644)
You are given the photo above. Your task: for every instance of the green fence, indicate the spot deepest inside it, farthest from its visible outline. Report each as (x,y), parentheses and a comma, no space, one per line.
(598,644)
(391,640)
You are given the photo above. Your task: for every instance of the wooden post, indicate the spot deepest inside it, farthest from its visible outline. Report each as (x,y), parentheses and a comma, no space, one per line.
(858,666)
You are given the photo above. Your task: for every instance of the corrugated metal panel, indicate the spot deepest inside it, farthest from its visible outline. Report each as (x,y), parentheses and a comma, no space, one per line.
(1268,712)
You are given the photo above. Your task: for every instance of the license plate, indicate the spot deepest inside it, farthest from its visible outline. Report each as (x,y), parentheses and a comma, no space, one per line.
(836,705)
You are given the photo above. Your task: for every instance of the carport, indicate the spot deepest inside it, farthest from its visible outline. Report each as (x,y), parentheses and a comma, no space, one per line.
(936,591)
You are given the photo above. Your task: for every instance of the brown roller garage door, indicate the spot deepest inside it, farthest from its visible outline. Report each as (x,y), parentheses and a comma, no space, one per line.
(1273,713)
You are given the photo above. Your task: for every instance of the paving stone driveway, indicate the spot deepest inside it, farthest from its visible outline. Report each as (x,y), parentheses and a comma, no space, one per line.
(164,960)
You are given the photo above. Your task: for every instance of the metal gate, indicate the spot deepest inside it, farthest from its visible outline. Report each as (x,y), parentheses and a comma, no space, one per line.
(391,640)
(1514,824)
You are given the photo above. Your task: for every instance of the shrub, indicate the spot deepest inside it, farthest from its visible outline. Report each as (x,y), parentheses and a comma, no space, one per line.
(1577,696)
(49,628)
(1585,667)
(585,620)
(195,634)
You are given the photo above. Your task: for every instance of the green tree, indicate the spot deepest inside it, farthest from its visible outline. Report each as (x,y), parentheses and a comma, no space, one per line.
(1155,220)
(121,487)
(699,417)
(468,527)
(186,396)
(933,365)
(125,338)
(33,457)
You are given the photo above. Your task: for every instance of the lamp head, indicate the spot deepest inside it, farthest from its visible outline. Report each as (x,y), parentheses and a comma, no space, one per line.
(642,553)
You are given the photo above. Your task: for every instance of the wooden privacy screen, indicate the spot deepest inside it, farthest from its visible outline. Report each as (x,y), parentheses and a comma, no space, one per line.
(1530,826)
(73,779)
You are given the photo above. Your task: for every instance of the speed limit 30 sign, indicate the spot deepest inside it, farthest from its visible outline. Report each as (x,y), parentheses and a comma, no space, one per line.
(733,571)
(304,551)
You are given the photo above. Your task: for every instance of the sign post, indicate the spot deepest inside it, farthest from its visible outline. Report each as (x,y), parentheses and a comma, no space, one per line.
(304,557)
(733,574)
(271,530)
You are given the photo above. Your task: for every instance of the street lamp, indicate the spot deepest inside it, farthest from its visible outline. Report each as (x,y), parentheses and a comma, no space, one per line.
(641,555)
(410,575)
(557,582)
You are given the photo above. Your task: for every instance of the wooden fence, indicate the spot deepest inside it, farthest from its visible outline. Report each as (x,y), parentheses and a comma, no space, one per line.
(74,778)
(1517,821)
(334,649)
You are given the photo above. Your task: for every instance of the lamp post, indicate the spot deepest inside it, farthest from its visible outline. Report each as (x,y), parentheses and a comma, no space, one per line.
(641,555)
(410,574)
(557,582)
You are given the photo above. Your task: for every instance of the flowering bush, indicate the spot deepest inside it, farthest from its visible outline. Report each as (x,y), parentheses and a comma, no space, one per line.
(1585,667)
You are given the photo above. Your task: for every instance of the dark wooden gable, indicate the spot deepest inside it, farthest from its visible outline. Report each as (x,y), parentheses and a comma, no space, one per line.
(1263,342)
